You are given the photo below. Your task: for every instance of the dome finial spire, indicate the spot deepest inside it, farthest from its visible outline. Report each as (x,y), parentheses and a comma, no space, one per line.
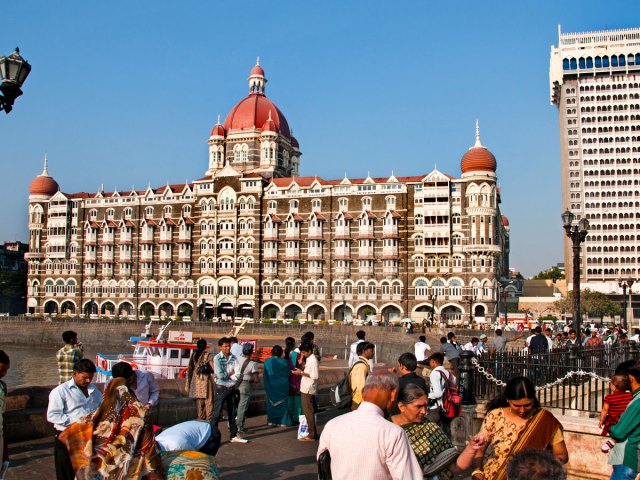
(218,120)
(478,144)
(45,173)
(257,80)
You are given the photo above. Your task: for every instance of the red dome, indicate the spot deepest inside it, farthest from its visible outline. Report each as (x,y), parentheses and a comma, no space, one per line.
(505,221)
(218,130)
(43,185)
(294,143)
(254,111)
(269,126)
(257,70)
(478,159)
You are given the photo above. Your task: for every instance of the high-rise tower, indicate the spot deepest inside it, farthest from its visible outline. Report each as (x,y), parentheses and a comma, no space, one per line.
(595,83)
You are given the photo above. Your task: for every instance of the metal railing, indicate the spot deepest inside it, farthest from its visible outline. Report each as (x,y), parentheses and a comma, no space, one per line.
(575,379)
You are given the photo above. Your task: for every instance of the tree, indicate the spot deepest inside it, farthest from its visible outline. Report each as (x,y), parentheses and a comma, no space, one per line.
(13,291)
(553,273)
(592,303)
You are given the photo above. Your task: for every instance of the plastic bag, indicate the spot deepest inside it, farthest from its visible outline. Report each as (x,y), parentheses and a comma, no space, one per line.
(303,428)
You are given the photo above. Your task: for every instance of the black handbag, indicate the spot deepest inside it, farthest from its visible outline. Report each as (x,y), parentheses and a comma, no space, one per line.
(324,466)
(204,369)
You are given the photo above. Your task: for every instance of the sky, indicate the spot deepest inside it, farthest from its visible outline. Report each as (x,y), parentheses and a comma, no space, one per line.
(125,94)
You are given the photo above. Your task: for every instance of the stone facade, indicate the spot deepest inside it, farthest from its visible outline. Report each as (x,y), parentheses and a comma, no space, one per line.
(253,239)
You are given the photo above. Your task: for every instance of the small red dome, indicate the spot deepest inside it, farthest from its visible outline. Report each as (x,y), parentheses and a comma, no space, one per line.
(478,159)
(43,185)
(218,130)
(257,70)
(505,221)
(269,126)
(294,143)
(254,111)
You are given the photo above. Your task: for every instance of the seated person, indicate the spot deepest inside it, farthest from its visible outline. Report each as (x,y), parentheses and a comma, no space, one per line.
(191,435)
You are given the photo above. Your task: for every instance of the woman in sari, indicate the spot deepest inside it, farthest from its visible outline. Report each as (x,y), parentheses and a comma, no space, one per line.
(435,453)
(518,423)
(200,385)
(275,377)
(295,361)
(115,441)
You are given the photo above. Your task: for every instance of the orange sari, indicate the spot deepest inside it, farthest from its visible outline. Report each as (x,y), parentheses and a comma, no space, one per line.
(540,432)
(116,441)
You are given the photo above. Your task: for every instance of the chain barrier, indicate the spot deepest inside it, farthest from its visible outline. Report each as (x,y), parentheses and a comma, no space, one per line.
(577,373)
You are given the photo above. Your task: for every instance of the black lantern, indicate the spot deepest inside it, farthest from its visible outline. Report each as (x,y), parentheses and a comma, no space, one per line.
(13,72)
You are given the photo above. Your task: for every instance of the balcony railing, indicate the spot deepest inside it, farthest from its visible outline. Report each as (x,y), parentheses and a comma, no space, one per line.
(315,232)
(270,233)
(343,232)
(293,232)
(365,230)
(390,271)
(342,270)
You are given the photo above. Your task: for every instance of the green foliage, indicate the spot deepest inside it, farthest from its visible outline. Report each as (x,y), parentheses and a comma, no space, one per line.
(267,321)
(594,304)
(13,291)
(549,317)
(550,274)
(295,322)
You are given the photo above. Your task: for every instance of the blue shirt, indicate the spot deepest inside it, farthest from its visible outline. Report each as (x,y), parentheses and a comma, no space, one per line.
(147,389)
(190,435)
(68,404)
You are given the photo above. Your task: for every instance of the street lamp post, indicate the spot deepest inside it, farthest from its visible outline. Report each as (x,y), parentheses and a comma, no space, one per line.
(625,284)
(472,299)
(577,233)
(13,72)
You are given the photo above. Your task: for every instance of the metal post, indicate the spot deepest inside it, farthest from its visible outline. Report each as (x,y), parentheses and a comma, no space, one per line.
(466,378)
(623,284)
(576,288)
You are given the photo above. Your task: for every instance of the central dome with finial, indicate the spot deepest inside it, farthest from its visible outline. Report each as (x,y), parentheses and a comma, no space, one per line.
(255,110)
(478,158)
(44,184)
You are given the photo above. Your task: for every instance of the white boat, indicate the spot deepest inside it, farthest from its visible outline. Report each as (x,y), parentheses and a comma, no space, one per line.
(164,358)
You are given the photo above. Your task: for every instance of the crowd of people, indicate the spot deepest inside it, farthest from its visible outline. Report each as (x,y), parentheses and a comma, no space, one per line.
(399,411)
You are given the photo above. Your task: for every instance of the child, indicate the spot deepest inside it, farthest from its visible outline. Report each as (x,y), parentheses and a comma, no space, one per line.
(615,404)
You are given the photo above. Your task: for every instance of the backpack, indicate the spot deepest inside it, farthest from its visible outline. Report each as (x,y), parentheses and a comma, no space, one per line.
(340,394)
(451,399)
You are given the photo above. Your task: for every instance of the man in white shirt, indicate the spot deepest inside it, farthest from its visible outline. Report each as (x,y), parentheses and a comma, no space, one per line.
(69,402)
(236,348)
(308,386)
(421,349)
(143,383)
(362,444)
(225,367)
(636,335)
(353,356)
(438,381)
(191,435)
(249,375)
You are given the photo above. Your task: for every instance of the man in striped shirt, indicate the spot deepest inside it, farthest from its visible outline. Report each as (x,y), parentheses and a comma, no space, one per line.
(68,355)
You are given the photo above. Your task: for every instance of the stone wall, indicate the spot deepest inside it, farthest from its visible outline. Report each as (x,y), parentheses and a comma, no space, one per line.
(114,334)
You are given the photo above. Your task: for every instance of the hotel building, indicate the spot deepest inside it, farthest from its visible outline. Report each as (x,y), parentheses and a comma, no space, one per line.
(252,238)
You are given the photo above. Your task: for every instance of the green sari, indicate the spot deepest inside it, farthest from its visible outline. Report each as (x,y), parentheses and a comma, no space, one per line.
(275,375)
